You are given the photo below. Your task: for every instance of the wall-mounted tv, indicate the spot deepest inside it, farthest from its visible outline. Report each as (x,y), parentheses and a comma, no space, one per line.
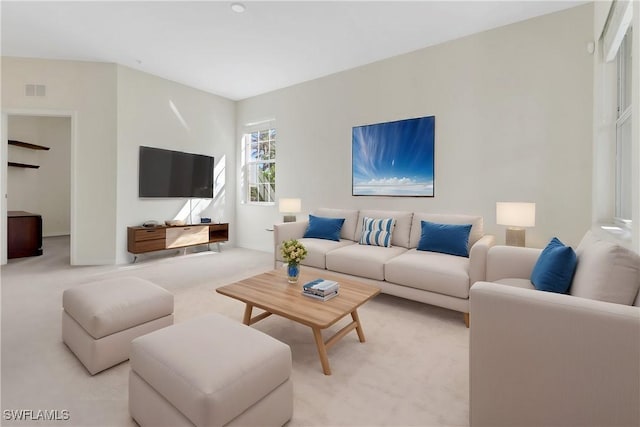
(167,173)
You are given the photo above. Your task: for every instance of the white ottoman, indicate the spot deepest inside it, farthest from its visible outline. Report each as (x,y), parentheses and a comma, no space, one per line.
(100,319)
(210,371)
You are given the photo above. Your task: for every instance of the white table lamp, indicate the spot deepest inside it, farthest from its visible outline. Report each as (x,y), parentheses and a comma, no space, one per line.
(290,207)
(516,216)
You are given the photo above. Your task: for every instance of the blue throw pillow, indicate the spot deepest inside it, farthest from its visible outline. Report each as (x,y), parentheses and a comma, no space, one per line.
(554,269)
(452,239)
(324,228)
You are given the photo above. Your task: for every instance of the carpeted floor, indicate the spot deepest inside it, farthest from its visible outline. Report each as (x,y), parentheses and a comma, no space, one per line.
(412,371)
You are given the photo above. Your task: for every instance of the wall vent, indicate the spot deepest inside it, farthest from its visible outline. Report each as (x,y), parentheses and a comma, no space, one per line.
(35,90)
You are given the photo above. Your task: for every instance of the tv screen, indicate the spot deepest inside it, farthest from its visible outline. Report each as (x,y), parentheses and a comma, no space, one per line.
(166,173)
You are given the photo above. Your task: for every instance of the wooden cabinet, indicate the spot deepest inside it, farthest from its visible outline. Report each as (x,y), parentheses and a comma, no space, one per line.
(24,234)
(148,239)
(141,239)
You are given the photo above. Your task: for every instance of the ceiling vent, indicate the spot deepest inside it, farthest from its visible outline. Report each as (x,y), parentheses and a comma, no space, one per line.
(35,90)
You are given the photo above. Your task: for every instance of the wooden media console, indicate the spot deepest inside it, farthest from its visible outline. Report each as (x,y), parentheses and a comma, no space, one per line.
(149,239)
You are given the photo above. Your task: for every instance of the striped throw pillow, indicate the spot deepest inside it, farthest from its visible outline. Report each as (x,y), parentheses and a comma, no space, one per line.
(377,232)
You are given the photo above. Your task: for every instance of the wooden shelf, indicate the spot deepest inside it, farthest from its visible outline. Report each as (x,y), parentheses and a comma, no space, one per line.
(218,233)
(23,165)
(27,145)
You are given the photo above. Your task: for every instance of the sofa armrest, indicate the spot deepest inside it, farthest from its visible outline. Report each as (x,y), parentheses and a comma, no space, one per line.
(511,262)
(478,258)
(286,231)
(539,358)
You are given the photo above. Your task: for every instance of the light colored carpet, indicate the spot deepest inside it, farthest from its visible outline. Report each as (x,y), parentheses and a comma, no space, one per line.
(412,371)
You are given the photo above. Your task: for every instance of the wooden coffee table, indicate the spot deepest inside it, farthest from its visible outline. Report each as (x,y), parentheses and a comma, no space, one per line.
(272,293)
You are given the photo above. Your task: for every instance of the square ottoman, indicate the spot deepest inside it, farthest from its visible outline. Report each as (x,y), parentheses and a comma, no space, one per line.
(100,319)
(210,371)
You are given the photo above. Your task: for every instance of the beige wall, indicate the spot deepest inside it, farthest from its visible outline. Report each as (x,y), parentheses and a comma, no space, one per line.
(89,91)
(117,109)
(636,128)
(46,190)
(513,107)
(513,111)
(159,113)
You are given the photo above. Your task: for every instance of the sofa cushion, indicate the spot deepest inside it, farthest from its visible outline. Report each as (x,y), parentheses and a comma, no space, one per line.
(606,271)
(555,267)
(474,235)
(317,250)
(430,271)
(401,231)
(452,239)
(362,260)
(350,220)
(377,232)
(321,227)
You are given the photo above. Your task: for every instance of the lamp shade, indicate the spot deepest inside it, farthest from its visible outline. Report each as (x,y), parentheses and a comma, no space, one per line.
(516,214)
(291,206)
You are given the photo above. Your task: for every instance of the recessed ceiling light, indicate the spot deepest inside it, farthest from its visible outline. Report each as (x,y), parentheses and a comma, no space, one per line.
(238,7)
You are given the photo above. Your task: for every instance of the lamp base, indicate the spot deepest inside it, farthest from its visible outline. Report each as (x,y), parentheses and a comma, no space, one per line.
(515,236)
(289,218)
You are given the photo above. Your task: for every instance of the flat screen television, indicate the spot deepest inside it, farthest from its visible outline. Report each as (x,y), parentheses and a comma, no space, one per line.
(167,173)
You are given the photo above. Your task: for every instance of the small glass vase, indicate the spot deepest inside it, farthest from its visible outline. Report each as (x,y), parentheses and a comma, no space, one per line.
(293,271)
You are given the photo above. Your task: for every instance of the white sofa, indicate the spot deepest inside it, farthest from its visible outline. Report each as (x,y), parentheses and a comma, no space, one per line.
(547,359)
(401,270)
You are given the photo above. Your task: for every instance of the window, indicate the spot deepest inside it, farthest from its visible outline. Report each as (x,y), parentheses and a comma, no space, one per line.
(623,165)
(259,159)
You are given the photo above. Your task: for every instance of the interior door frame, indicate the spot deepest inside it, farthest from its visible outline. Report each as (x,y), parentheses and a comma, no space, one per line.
(6,113)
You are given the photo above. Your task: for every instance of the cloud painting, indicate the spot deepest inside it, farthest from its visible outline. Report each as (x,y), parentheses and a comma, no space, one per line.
(394,158)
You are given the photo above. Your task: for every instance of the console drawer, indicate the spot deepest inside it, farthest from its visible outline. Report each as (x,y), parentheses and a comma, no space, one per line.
(149,234)
(147,246)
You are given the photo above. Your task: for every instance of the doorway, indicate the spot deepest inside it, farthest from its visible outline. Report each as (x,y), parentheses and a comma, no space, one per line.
(37,153)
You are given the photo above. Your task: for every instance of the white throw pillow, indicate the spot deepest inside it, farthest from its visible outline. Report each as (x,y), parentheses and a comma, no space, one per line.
(401,229)
(377,232)
(606,272)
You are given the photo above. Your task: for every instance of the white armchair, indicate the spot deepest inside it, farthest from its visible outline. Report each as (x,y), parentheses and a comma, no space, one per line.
(546,359)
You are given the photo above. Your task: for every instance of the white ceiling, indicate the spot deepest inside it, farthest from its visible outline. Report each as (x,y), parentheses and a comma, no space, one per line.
(271,45)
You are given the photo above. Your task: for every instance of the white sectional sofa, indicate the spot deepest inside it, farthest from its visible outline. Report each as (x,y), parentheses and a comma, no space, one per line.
(550,359)
(401,270)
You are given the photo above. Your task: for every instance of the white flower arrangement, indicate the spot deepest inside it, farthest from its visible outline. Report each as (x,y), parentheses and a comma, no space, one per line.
(293,252)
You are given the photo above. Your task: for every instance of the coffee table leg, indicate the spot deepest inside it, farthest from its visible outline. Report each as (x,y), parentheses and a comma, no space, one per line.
(356,318)
(247,314)
(322,351)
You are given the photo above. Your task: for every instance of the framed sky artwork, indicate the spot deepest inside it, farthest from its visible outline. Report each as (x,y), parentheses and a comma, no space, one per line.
(394,158)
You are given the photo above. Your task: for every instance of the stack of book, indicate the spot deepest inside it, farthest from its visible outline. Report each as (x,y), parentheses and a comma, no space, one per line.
(321,289)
